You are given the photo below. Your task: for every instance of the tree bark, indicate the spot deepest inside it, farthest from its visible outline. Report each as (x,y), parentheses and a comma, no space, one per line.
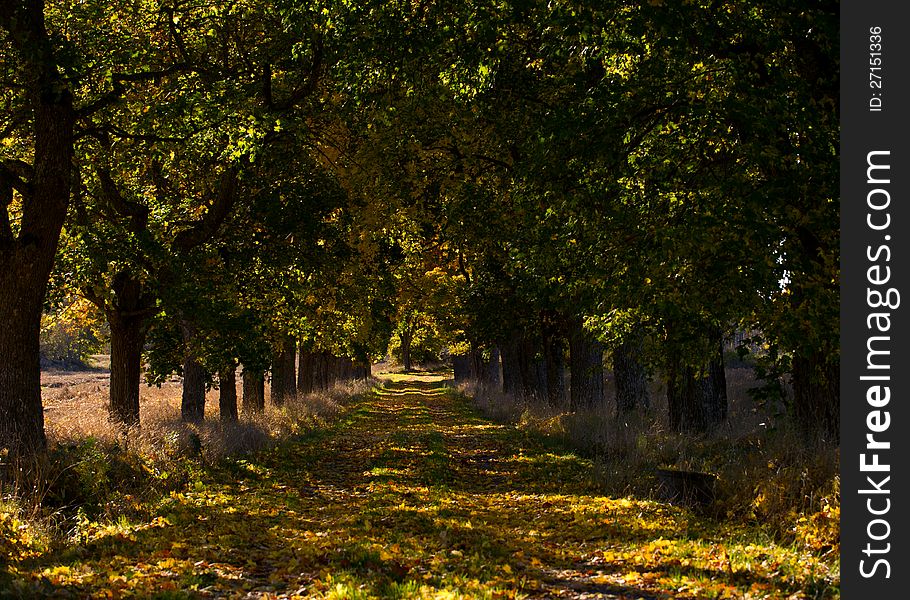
(533,370)
(253,392)
(322,376)
(554,359)
(586,369)
(22,422)
(697,398)
(26,258)
(127,340)
(462,370)
(361,370)
(816,395)
(406,350)
(511,368)
(127,320)
(284,380)
(491,368)
(630,375)
(227,394)
(192,404)
(305,370)
(345,369)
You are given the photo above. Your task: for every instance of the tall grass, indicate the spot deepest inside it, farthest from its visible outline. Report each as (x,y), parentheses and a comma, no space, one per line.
(766,472)
(73,416)
(97,471)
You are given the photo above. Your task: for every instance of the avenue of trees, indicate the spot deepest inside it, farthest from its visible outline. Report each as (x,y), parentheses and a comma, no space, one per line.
(241,188)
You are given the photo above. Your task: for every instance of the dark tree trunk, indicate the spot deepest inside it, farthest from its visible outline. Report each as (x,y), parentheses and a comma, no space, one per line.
(491,368)
(192,404)
(533,370)
(406,338)
(462,368)
(322,370)
(284,380)
(26,257)
(323,378)
(127,340)
(127,320)
(554,359)
(22,420)
(290,371)
(697,398)
(253,392)
(630,375)
(305,370)
(361,370)
(485,370)
(227,394)
(816,396)
(345,369)
(511,368)
(586,369)
(334,370)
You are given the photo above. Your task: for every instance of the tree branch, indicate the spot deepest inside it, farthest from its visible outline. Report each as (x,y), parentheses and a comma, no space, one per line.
(312,80)
(118,81)
(138,213)
(17,174)
(217,212)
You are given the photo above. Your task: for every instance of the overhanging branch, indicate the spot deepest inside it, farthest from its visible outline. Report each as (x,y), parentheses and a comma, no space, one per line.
(217,212)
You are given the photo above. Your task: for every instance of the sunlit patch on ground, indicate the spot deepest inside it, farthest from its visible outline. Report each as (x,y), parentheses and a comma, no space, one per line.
(414,495)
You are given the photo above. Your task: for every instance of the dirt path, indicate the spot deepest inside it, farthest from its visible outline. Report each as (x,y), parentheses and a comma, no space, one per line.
(411,495)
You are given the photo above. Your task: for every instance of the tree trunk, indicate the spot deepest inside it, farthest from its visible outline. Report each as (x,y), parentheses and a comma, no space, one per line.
(630,375)
(322,379)
(305,370)
(697,398)
(192,404)
(227,394)
(345,369)
(333,370)
(253,392)
(284,380)
(22,422)
(361,370)
(127,320)
(127,340)
(586,369)
(533,370)
(511,368)
(816,396)
(461,367)
(26,258)
(554,360)
(406,350)
(491,368)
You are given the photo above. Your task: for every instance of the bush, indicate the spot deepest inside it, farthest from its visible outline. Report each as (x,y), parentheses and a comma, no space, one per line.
(72,334)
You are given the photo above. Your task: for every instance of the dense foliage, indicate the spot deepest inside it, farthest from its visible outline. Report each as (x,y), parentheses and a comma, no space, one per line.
(545,192)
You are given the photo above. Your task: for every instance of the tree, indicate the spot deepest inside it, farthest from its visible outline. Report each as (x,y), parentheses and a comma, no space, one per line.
(42,127)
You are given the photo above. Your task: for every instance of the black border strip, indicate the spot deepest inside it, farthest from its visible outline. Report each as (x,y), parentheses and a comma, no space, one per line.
(875,241)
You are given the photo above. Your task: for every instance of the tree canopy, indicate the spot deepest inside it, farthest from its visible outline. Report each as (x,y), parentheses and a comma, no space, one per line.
(222,180)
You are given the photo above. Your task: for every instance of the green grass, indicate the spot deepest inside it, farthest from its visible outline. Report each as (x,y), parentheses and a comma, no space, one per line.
(413,494)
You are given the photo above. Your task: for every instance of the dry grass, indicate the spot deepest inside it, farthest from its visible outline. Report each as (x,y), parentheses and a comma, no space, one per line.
(76,410)
(765,472)
(95,468)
